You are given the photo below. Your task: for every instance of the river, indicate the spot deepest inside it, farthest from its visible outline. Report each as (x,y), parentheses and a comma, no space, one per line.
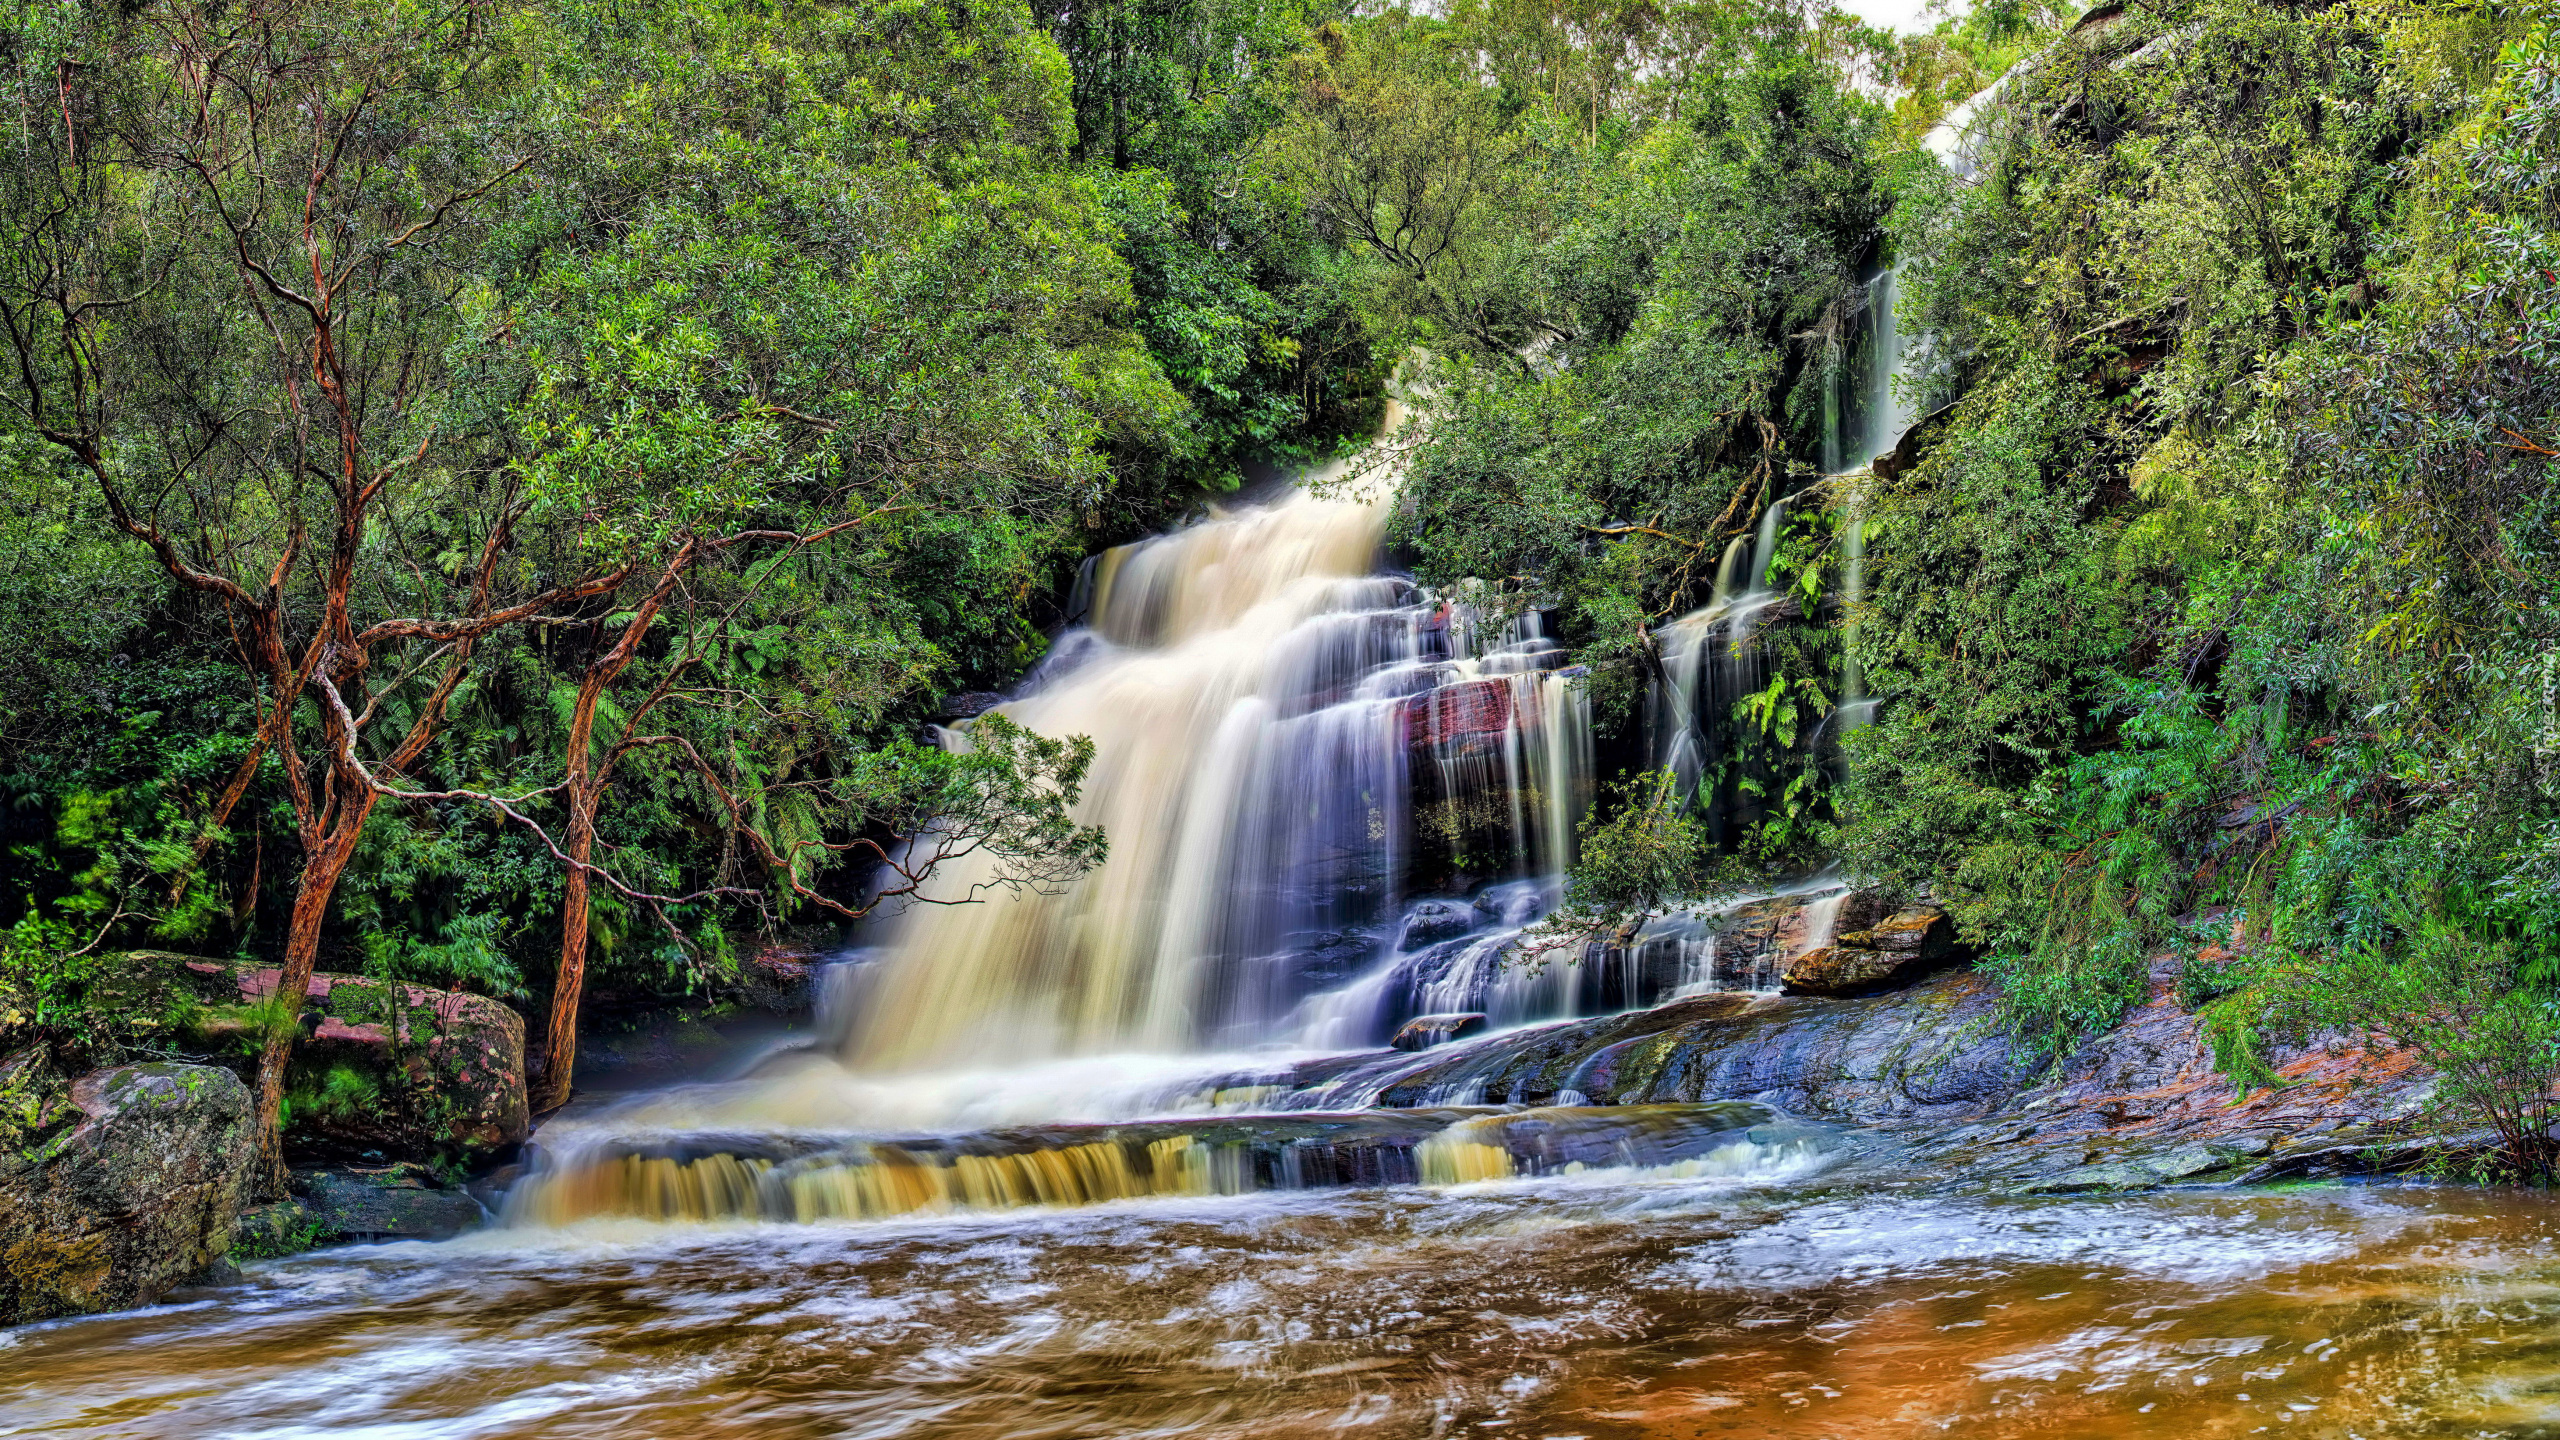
(1845,1298)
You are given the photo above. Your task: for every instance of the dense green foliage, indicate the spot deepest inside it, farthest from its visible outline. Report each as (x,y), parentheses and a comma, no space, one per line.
(783,358)
(2223,596)
(2213,613)
(803,320)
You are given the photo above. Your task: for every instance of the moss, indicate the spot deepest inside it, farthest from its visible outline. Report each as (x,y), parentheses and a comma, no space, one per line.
(342,1092)
(53,1274)
(272,1231)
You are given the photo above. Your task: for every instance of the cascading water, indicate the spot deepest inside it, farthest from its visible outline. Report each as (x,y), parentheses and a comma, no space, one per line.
(1711,656)
(1284,742)
(1334,801)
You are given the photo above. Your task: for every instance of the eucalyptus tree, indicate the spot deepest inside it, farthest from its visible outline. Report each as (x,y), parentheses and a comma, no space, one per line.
(910,325)
(235,236)
(406,338)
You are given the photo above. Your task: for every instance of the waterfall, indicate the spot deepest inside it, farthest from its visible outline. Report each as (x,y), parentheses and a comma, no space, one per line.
(1287,743)
(1893,361)
(1711,657)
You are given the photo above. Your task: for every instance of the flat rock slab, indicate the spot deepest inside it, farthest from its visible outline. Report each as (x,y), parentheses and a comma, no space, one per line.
(2136,1108)
(341,1205)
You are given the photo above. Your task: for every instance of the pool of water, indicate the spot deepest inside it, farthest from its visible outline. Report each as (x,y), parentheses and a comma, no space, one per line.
(1843,1297)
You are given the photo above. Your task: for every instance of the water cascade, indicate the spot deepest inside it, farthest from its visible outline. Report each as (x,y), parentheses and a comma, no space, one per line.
(1711,656)
(801,1179)
(1893,365)
(1288,745)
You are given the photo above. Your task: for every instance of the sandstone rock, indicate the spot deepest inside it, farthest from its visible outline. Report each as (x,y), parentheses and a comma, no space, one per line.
(384,1069)
(1315,960)
(1424,1031)
(1847,970)
(1861,910)
(780,976)
(1922,930)
(1754,942)
(2138,1106)
(2112,1179)
(1891,953)
(333,1206)
(136,1198)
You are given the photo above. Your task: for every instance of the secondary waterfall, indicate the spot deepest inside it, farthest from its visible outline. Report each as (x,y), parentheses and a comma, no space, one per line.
(1287,743)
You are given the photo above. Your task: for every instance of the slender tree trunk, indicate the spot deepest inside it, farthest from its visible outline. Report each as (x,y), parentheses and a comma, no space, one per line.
(587,779)
(560,1042)
(293,984)
(221,816)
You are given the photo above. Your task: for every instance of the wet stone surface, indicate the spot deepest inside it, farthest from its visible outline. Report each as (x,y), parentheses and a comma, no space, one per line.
(1732,1215)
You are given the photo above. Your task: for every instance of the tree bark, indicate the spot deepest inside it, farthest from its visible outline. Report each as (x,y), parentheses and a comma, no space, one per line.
(587,780)
(560,1042)
(293,985)
(220,817)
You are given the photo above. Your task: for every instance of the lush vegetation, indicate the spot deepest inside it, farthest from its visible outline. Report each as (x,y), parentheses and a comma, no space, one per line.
(2210,615)
(496,488)
(2220,615)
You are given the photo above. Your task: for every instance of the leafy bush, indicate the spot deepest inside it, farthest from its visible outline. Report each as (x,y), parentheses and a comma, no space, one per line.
(2473,1009)
(1642,855)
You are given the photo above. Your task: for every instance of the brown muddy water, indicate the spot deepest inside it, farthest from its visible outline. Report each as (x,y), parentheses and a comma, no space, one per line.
(1839,1297)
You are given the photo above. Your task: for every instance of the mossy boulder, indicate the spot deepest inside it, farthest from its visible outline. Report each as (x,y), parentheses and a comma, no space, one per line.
(385,1070)
(333,1205)
(134,1192)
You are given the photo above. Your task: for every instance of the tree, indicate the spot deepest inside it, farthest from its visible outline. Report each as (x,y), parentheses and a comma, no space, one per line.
(1400,150)
(1647,859)
(911,328)
(228,296)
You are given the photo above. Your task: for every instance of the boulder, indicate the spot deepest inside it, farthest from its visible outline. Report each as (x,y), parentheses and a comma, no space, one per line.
(138,1195)
(385,1069)
(1311,961)
(1887,955)
(1755,941)
(338,1205)
(1844,970)
(1433,921)
(1424,1031)
(1922,930)
(780,976)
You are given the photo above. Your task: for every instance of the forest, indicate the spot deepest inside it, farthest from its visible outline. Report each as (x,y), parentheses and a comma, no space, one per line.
(1250,718)
(502,493)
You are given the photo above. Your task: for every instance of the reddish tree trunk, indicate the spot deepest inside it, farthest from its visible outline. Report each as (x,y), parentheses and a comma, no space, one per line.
(560,1043)
(587,779)
(220,817)
(319,882)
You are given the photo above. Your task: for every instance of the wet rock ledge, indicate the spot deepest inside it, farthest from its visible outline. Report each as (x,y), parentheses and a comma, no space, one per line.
(122,1184)
(2137,1108)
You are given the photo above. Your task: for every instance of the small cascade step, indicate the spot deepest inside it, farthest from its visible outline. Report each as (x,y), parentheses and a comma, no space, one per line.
(800,1178)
